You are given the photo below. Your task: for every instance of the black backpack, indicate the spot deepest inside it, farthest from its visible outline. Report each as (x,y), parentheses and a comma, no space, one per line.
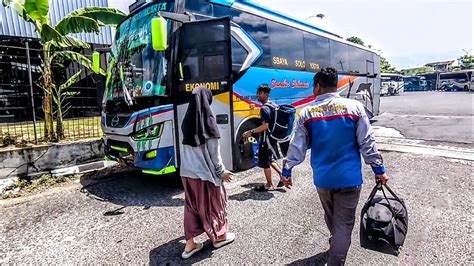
(282,122)
(383,222)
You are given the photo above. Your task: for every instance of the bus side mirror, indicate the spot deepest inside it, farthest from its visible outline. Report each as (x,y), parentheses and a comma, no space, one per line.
(96,62)
(159,34)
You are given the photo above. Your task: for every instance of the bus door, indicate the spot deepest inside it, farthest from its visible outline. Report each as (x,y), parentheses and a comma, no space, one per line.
(369,101)
(204,60)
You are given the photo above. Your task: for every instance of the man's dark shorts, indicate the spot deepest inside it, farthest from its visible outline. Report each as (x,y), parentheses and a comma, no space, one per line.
(268,151)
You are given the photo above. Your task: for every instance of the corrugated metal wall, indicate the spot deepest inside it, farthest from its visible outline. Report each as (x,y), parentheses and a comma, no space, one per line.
(12,25)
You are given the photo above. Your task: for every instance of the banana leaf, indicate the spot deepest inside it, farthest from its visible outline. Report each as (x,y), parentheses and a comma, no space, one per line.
(102,15)
(38,10)
(77,24)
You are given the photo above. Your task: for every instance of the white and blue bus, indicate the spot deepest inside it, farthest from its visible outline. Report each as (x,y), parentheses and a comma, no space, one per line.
(230,47)
(391,84)
(415,83)
(456,81)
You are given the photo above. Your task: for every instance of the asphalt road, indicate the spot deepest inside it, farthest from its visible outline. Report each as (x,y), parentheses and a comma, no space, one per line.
(435,116)
(129,218)
(132,219)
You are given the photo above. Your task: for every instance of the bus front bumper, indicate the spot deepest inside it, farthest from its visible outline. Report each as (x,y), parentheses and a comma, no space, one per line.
(157,161)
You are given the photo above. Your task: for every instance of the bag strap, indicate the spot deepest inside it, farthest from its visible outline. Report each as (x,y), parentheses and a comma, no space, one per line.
(388,202)
(395,196)
(394,213)
(371,197)
(374,191)
(391,192)
(273,105)
(275,109)
(378,186)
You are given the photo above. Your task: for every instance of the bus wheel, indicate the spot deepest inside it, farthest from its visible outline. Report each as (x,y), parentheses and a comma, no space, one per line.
(466,88)
(243,150)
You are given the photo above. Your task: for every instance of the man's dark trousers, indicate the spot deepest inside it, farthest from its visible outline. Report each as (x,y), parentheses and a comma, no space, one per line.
(339,212)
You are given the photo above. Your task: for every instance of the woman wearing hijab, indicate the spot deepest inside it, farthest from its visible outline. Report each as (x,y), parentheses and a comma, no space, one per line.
(203,174)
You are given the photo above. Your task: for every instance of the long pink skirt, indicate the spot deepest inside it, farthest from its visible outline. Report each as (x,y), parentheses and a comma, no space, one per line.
(204,209)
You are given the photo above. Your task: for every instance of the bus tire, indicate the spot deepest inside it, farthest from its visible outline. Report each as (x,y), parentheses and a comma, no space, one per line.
(243,151)
(466,88)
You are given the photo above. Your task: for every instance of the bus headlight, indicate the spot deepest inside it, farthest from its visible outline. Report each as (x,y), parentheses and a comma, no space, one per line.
(148,133)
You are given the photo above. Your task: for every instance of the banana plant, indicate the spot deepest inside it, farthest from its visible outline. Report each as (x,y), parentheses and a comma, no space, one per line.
(60,97)
(58,43)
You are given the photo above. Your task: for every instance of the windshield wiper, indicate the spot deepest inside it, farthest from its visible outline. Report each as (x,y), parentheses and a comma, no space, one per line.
(126,93)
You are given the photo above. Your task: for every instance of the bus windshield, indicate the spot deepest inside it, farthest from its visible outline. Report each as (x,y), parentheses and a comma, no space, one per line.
(136,70)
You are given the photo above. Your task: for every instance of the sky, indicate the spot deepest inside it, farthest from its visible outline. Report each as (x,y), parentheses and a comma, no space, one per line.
(409,33)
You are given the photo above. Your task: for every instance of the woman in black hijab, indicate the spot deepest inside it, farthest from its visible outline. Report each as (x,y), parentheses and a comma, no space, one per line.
(199,123)
(203,174)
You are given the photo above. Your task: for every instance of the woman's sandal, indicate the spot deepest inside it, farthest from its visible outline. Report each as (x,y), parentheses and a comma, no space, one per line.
(230,237)
(187,255)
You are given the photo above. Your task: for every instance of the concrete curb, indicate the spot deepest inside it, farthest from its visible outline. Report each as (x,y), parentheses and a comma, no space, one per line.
(36,160)
(77,169)
(416,147)
(83,168)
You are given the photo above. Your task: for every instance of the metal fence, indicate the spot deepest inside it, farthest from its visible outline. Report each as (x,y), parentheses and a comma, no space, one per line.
(21,94)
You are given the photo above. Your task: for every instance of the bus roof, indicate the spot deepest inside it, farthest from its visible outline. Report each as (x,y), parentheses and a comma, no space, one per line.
(413,77)
(391,74)
(457,72)
(254,8)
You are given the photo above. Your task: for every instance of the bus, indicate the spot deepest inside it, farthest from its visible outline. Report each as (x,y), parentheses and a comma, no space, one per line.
(431,80)
(166,48)
(456,81)
(415,83)
(391,84)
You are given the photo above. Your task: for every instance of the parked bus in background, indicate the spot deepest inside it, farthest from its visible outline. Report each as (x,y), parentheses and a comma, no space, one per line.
(432,80)
(165,49)
(456,81)
(391,84)
(415,83)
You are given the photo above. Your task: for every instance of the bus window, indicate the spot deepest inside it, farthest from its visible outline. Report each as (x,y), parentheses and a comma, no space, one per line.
(222,11)
(371,64)
(192,65)
(357,60)
(214,67)
(239,54)
(286,46)
(199,6)
(339,56)
(256,27)
(370,67)
(316,51)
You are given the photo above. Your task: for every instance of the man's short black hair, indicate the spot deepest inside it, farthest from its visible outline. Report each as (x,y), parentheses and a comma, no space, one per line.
(264,88)
(326,77)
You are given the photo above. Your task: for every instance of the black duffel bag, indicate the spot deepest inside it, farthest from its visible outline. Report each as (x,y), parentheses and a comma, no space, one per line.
(384,222)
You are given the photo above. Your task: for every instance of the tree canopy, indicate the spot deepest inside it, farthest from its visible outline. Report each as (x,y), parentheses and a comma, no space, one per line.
(465,62)
(385,66)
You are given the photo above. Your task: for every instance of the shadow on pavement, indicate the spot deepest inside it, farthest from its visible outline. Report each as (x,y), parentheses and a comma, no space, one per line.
(251,194)
(132,188)
(319,259)
(170,253)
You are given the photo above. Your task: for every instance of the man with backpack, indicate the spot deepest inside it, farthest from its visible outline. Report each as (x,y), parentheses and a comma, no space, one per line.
(338,131)
(269,148)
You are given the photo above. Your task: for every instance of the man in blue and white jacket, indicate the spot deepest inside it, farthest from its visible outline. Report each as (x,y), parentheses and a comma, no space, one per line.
(338,131)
